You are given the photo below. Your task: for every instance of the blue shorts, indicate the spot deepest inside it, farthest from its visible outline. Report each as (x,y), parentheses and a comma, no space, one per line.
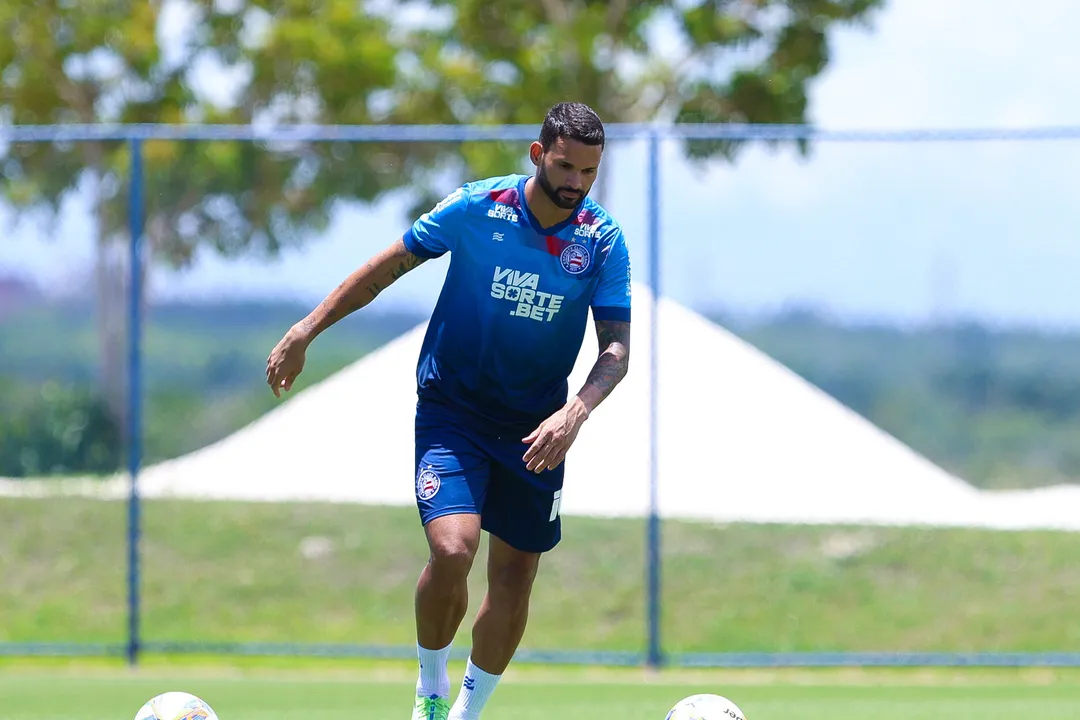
(461,468)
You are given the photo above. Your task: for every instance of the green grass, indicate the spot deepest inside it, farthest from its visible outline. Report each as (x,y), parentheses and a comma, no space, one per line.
(956,695)
(239,572)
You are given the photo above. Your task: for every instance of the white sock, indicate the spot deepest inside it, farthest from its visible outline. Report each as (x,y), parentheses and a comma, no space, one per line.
(476,690)
(434,679)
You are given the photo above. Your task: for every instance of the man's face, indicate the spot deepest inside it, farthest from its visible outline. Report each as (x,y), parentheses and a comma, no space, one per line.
(566,171)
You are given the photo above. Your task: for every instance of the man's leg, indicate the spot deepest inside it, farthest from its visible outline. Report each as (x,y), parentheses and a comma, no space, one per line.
(499,626)
(442,596)
(501,621)
(521,515)
(451,485)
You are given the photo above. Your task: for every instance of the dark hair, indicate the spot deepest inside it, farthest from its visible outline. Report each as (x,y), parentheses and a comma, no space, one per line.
(572,121)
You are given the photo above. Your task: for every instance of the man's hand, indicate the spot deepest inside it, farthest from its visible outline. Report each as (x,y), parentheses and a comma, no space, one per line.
(550,441)
(286,361)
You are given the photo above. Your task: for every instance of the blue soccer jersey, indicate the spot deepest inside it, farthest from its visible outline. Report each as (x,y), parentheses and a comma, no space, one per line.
(511,317)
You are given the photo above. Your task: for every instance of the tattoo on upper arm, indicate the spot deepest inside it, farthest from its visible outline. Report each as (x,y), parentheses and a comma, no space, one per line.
(408,262)
(613,332)
(403,261)
(376,275)
(613,338)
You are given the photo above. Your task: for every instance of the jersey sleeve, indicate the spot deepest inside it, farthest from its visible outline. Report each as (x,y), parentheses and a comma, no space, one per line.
(611,299)
(436,231)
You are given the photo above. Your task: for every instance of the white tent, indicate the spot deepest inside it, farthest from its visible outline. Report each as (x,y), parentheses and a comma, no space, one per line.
(741,438)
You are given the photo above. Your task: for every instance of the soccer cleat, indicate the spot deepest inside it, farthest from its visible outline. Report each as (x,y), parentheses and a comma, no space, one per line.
(431,707)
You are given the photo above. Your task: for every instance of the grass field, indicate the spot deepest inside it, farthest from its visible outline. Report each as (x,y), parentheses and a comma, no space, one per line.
(337,573)
(323,693)
(321,573)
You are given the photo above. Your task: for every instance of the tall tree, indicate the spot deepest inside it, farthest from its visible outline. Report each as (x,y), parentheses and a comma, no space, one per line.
(359,62)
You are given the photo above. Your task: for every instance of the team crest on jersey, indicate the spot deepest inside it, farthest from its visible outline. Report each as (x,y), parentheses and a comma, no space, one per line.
(427,484)
(575,259)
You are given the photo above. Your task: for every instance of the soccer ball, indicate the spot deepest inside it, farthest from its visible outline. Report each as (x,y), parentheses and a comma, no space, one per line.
(175,706)
(705,707)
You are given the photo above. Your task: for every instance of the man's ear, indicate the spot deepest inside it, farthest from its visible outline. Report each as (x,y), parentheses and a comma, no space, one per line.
(536,150)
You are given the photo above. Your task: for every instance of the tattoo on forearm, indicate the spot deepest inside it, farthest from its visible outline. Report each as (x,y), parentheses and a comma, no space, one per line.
(610,368)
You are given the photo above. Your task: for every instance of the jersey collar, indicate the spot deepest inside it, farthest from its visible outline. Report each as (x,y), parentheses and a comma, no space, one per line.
(554,229)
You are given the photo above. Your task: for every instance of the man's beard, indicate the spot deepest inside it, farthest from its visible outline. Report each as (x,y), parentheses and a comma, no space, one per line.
(561,201)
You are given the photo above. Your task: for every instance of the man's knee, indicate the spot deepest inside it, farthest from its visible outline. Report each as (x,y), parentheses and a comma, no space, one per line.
(452,542)
(452,556)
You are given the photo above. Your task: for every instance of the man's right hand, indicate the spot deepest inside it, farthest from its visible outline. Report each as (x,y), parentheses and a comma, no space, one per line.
(286,361)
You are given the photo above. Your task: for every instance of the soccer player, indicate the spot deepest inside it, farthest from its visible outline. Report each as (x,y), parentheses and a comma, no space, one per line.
(529,257)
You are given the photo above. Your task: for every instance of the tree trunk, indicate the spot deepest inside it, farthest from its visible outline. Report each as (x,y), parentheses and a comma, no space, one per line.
(110,310)
(113,275)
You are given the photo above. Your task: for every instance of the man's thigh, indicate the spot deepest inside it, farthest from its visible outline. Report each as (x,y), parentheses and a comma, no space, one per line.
(453,471)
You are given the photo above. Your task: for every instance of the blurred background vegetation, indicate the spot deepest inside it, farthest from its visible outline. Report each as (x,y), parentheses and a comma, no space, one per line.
(1000,407)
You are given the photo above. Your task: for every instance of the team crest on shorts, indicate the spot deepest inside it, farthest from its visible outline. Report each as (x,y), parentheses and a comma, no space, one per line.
(575,259)
(427,484)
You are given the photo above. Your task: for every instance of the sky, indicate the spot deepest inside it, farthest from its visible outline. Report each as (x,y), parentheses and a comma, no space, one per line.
(902,232)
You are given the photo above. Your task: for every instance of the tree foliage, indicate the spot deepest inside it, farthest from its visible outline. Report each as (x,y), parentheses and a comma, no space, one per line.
(85,62)
(344,61)
(357,62)
(717,61)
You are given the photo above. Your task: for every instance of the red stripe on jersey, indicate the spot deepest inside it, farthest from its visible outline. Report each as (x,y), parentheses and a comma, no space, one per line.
(554,245)
(585,217)
(507,196)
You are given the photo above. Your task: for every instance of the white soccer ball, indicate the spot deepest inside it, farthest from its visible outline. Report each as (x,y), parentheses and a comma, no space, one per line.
(705,707)
(176,706)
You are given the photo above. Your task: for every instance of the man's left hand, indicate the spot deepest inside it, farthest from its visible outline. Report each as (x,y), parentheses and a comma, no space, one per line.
(549,443)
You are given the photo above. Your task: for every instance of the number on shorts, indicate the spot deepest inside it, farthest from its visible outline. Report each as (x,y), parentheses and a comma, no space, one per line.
(555,501)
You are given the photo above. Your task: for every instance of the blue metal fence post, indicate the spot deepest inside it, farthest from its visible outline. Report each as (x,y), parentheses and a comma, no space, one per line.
(655,657)
(135,224)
